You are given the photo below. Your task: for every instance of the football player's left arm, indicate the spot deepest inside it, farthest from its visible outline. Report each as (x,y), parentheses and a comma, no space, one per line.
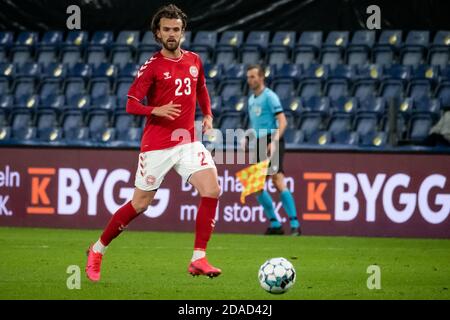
(203,100)
(282,124)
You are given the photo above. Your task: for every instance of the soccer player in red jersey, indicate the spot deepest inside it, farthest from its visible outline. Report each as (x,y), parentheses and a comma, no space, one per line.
(173,81)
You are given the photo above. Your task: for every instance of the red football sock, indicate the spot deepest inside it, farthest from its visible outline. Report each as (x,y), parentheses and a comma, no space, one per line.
(205,222)
(118,222)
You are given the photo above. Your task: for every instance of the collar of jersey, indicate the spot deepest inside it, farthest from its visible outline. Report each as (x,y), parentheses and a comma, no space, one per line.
(174,60)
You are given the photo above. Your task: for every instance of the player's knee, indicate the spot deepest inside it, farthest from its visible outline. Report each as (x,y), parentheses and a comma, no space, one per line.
(140,205)
(213,192)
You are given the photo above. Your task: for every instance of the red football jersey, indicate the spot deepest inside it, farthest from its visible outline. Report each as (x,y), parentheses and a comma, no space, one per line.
(163,80)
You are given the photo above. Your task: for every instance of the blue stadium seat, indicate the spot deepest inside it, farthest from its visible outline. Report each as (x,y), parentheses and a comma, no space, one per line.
(129,71)
(443,93)
(46,56)
(391,88)
(319,138)
(229,89)
(373,139)
(54,70)
(316,71)
(366,123)
(375,105)
(288,71)
(79,101)
(235,71)
(73,126)
(315,104)
(365,89)
(98,122)
(232,120)
(80,70)
(4,87)
(227,48)
(439,53)
(235,103)
(120,56)
(53,101)
(73,87)
(292,119)
(419,127)
(333,47)
(71,55)
(310,123)
(49,87)
(22,124)
(28,70)
(331,56)
(346,138)
(7,71)
(358,52)
(27,39)
(204,39)
(6,39)
(128,38)
(102,39)
(345,105)
(284,88)
(105,71)
(412,52)
(342,71)
(122,87)
(21,55)
(213,72)
(47,125)
(106,102)
(418,89)
(125,127)
(254,48)
(95,55)
(6,102)
(307,48)
(338,39)
(99,87)
(27,101)
(51,40)
(293,138)
(427,105)
(309,88)
(336,88)
(374,72)
(76,38)
(280,48)
(216,106)
(340,122)
(385,50)
(23,87)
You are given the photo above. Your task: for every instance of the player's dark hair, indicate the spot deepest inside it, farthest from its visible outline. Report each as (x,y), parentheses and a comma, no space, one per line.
(258,67)
(170,11)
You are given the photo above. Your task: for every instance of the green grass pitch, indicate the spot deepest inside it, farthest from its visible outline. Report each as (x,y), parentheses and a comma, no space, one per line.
(153,265)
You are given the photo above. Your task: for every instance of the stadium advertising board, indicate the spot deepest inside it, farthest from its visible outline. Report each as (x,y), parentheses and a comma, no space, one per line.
(362,194)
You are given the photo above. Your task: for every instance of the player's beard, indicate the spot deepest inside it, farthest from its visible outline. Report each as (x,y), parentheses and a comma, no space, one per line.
(171,45)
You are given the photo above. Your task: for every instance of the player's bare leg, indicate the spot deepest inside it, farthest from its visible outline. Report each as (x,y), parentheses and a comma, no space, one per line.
(206,183)
(288,202)
(119,221)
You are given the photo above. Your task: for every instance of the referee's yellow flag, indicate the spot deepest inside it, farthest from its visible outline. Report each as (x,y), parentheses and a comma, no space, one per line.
(252,178)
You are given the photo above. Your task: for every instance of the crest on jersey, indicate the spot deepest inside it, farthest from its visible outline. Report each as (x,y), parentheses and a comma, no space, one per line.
(257,110)
(150,180)
(193,71)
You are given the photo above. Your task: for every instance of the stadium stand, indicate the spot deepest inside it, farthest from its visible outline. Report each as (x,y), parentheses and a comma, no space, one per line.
(70,88)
